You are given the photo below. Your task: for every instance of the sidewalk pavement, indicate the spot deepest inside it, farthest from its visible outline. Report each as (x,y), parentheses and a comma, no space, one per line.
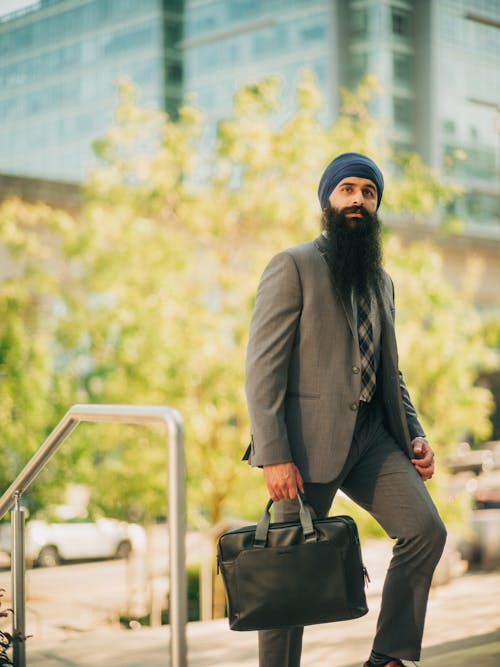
(462,630)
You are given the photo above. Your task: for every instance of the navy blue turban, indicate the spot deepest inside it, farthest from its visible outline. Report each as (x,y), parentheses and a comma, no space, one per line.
(345,165)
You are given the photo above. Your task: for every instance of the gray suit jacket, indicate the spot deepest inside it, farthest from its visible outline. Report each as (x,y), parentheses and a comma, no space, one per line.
(303,377)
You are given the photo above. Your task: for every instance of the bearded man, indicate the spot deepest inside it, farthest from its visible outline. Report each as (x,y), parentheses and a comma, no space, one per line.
(329,408)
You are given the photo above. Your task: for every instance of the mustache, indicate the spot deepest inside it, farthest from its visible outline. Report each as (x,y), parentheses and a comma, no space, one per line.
(356,209)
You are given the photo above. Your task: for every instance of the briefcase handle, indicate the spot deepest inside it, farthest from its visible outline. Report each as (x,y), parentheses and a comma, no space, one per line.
(306,520)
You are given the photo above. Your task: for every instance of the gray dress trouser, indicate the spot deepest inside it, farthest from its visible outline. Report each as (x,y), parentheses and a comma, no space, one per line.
(379,477)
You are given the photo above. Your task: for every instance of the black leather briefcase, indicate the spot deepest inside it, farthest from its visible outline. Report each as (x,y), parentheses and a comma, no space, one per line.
(292,573)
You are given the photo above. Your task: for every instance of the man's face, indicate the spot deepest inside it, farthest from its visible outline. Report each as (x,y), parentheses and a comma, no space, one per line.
(351,194)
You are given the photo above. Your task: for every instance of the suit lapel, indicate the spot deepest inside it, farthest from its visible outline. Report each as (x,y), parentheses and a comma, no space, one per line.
(388,334)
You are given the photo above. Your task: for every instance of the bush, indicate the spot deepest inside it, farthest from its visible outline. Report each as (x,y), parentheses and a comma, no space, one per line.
(5,639)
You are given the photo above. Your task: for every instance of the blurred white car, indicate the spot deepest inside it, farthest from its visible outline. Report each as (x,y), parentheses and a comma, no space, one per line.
(48,544)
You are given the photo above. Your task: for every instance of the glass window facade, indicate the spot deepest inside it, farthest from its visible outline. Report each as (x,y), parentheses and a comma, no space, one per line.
(469,78)
(475,207)
(402,112)
(358,66)
(476,162)
(438,64)
(359,22)
(402,64)
(401,22)
(227,44)
(59,68)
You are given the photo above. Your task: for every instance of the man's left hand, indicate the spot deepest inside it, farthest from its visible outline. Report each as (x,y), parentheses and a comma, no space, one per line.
(423,458)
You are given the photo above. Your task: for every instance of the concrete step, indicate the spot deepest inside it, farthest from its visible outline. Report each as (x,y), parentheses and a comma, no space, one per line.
(462,631)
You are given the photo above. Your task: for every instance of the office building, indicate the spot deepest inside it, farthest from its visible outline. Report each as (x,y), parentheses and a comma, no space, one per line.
(438,62)
(60,61)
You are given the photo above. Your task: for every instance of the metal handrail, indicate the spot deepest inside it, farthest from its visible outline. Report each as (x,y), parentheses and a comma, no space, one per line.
(129,414)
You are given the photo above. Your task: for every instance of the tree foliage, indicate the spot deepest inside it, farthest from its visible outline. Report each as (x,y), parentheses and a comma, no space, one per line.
(28,287)
(441,346)
(158,279)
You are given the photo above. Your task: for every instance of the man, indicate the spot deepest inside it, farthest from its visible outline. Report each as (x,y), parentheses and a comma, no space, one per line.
(329,408)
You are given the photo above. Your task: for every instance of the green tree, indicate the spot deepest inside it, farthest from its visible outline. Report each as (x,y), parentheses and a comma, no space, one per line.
(160,275)
(442,347)
(30,236)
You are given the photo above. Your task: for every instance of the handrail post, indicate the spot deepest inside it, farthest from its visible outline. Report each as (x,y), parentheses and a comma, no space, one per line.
(176,520)
(18,583)
(131,414)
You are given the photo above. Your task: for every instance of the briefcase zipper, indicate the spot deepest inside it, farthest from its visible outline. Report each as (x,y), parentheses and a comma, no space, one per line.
(353,530)
(285,524)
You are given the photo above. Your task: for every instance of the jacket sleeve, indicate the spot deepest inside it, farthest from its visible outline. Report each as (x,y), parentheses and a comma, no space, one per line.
(273,327)
(414,427)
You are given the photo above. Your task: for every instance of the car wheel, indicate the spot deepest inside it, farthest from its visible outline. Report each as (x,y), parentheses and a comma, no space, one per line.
(124,549)
(48,557)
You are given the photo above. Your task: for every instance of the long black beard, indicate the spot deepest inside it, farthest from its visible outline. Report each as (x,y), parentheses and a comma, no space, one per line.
(354,251)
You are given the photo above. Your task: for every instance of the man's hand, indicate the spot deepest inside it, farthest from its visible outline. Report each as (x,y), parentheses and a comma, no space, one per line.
(423,458)
(283,480)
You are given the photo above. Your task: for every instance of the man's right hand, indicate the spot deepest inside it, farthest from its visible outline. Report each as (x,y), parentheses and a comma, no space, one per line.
(283,480)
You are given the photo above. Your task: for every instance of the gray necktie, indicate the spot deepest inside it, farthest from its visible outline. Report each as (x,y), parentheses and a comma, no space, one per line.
(366,349)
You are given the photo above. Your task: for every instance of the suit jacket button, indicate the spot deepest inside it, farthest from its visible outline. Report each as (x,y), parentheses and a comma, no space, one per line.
(354,406)
(355,369)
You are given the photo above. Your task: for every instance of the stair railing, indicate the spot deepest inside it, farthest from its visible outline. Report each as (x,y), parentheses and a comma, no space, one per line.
(11,500)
